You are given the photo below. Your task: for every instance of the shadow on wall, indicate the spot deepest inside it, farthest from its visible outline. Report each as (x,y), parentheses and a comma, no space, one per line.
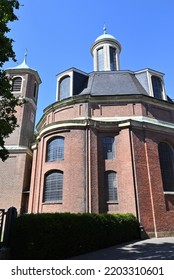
(151,249)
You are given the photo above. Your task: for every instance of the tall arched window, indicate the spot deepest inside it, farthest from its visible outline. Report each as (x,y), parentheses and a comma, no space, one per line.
(108,144)
(157,87)
(166,157)
(53,187)
(16,84)
(112,52)
(64,88)
(55,149)
(100,59)
(111,185)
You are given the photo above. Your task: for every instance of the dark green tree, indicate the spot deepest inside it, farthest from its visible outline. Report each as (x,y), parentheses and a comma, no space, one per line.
(8,102)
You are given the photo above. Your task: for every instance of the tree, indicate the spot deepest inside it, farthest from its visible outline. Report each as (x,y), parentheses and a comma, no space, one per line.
(8,102)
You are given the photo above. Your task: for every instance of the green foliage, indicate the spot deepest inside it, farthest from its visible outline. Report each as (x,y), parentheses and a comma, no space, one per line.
(61,236)
(8,101)
(6,15)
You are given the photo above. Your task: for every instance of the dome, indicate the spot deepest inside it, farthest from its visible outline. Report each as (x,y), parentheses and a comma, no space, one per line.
(105,35)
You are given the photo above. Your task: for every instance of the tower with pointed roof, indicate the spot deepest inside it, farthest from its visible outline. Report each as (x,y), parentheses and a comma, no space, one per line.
(16,171)
(25,83)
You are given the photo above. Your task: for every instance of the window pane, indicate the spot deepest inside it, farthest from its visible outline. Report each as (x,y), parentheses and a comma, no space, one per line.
(111,183)
(112,58)
(167,166)
(108,147)
(157,87)
(64,88)
(100,60)
(16,84)
(55,149)
(53,187)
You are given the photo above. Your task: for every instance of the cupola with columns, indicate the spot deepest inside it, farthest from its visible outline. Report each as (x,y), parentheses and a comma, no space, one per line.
(105,51)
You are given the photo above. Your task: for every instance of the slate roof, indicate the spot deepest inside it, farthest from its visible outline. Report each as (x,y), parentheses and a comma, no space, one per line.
(113,83)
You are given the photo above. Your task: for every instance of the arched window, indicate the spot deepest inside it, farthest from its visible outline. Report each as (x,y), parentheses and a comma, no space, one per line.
(16,84)
(53,187)
(108,144)
(111,185)
(112,52)
(166,157)
(64,88)
(55,149)
(100,59)
(157,87)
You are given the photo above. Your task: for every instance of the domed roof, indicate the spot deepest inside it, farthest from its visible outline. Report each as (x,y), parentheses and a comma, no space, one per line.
(105,35)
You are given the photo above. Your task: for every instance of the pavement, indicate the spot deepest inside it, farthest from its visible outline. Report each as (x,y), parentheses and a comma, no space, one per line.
(149,249)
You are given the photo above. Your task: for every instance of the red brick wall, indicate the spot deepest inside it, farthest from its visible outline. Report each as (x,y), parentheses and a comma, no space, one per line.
(122,165)
(140,189)
(73,168)
(12,174)
(154,205)
(23,135)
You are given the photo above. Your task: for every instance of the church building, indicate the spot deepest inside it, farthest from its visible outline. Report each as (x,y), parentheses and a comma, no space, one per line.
(105,146)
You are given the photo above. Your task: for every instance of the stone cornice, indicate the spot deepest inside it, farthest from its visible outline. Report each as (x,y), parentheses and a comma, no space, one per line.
(115,123)
(108,99)
(18,149)
(105,101)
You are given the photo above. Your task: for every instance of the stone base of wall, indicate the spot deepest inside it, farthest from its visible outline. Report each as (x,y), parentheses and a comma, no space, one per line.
(160,234)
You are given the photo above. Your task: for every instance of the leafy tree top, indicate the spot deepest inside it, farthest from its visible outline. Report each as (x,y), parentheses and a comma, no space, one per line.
(8,102)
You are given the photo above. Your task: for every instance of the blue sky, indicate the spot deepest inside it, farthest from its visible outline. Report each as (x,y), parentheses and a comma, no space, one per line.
(58,35)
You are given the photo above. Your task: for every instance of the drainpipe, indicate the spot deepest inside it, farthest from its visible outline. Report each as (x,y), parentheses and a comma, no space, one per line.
(134,177)
(142,232)
(40,187)
(86,170)
(150,187)
(136,186)
(89,170)
(33,181)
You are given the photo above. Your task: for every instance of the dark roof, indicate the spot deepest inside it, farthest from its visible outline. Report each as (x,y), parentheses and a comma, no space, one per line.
(113,83)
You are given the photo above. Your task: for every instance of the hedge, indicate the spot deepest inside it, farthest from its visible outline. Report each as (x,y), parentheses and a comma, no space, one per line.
(63,235)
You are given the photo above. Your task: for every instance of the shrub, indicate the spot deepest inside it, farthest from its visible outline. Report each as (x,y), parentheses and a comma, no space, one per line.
(63,235)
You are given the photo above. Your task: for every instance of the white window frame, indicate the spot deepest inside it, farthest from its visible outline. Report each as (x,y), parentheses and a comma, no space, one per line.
(22,80)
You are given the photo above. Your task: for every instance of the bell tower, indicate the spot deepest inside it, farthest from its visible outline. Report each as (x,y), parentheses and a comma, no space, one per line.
(16,170)
(25,83)
(105,51)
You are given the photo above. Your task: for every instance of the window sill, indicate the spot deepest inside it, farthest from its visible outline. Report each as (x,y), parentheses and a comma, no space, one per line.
(112,202)
(169,193)
(52,202)
(56,161)
(26,192)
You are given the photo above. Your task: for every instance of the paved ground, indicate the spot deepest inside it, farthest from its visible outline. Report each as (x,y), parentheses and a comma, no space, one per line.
(149,249)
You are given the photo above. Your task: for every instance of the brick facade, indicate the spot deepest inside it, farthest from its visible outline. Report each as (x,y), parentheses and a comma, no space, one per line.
(83,125)
(15,172)
(120,105)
